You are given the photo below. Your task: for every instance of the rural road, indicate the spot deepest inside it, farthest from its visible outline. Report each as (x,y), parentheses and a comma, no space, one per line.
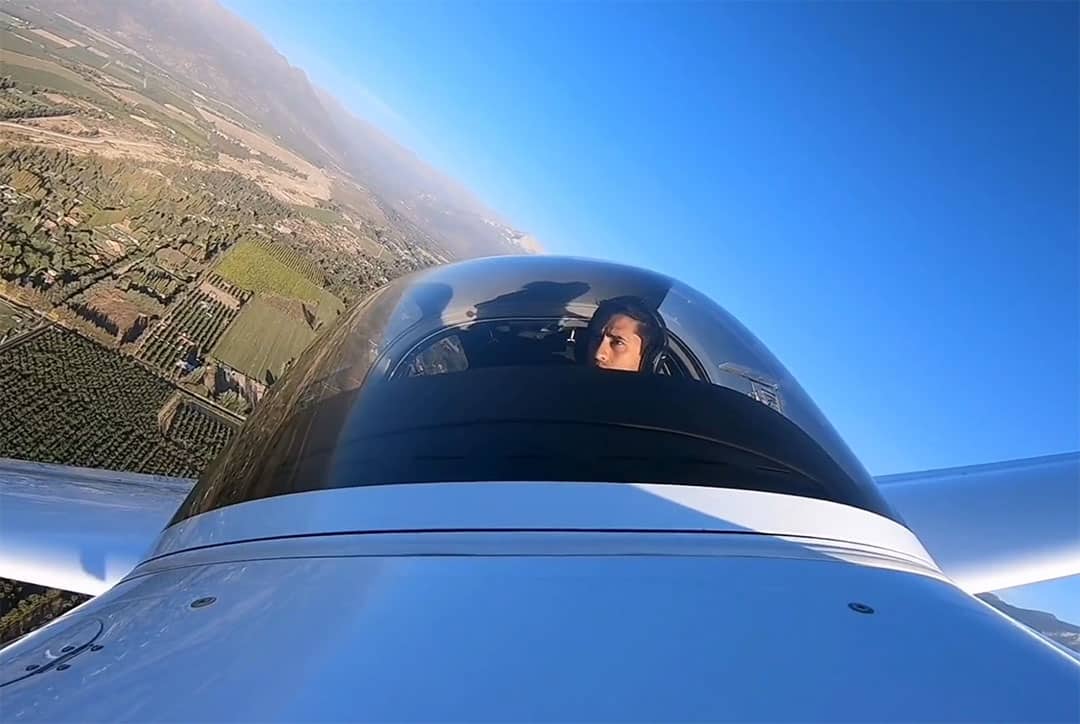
(62,136)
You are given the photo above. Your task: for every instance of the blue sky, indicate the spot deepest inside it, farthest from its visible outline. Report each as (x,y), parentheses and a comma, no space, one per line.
(887,194)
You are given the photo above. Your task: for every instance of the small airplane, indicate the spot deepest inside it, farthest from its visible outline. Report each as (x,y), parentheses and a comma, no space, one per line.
(539,489)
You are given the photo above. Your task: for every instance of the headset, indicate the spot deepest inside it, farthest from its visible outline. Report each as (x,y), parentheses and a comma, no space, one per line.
(652,356)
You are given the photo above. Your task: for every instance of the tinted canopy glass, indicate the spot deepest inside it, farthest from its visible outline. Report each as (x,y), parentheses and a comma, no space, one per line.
(540,369)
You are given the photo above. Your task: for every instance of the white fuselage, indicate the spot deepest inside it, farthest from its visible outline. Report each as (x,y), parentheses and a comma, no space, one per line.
(537,601)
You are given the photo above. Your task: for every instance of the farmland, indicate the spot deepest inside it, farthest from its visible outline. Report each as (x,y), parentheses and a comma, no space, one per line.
(13,319)
(278,269)
(68,400)
(190,330)
(30,71)
(16,103)
(326,216)
(122,187)
(154,283)
(229,293)
(241,265)
(267,333)
(15,42)
(200,432)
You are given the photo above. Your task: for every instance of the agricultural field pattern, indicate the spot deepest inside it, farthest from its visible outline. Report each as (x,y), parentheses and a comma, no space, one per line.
(156,242)
(164,257)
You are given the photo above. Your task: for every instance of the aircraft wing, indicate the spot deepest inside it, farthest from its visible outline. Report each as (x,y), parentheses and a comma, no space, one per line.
(79,529)
(988,526)
(998,525)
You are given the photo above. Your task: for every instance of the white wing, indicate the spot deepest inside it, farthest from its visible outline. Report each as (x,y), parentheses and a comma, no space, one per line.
(79,529)
(998,525)
(988,526)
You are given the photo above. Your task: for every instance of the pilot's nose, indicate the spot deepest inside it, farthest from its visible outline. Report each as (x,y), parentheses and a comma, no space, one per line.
(601,355)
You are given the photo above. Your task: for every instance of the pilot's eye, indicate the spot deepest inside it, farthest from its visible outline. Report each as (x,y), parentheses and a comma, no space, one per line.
(616,342)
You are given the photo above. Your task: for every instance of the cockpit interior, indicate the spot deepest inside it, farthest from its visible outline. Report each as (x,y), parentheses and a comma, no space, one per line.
(536,369)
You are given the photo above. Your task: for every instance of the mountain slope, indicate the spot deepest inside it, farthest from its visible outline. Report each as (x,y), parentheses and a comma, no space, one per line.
(1045,623)
(213,52)
(428,197)
(216,52)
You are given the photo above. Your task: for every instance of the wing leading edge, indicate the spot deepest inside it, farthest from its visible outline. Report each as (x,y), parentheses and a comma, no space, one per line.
(989,527)
(997,525)
(79,529)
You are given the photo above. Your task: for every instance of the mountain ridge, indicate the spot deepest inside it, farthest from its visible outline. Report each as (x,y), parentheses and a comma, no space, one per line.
(1047,624)
(217,53)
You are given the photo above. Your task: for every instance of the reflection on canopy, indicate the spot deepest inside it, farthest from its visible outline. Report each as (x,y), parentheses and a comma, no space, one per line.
(485,370)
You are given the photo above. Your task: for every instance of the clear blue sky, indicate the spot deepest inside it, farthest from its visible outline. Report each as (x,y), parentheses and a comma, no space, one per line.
(887,194)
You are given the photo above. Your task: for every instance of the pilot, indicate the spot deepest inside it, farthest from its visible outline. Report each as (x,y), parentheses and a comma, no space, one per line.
(624,335)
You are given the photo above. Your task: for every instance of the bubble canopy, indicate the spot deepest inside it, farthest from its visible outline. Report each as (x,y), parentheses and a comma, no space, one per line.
(499,370)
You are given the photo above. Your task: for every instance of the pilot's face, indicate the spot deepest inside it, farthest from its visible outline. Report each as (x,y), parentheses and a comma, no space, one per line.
(620,345)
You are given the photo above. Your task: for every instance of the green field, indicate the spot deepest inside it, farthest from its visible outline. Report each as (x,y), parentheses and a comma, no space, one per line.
(29,66)
(156,90)
(264,336)
(326,216)
(16,43)
(29,71)
(122,74)
(193,135)
(149,85)
(227,111)
(84,56)
(276,269)
(104,217)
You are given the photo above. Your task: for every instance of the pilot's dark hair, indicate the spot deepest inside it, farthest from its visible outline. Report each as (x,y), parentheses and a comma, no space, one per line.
(650,328)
